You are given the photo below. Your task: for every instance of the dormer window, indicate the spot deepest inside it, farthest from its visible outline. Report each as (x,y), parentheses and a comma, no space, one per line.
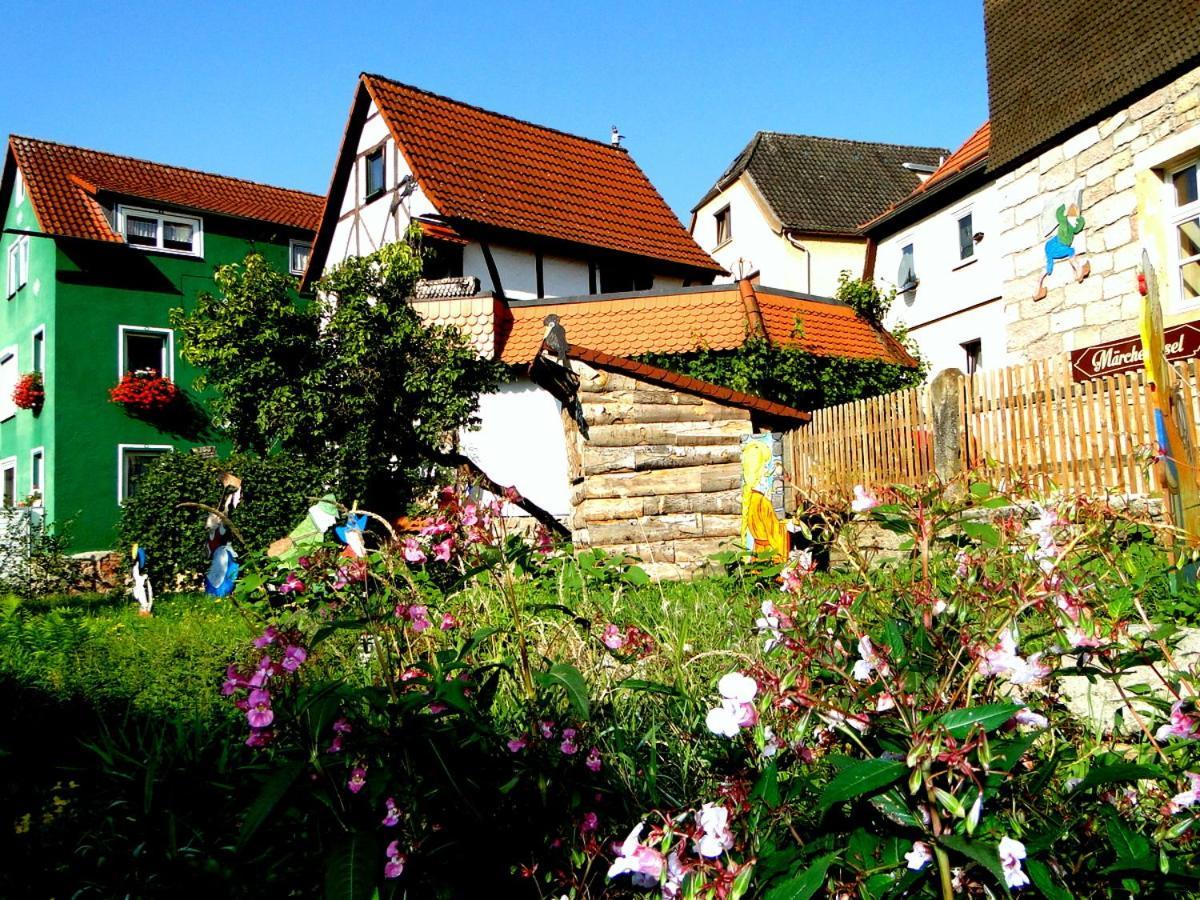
(724,226)
(376,173)
(167,232)
(298,254)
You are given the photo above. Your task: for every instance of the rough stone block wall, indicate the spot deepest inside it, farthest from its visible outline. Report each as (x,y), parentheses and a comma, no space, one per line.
(1100,160)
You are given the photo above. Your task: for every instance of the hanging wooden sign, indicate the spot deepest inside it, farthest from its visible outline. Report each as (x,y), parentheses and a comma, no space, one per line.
(1126,354)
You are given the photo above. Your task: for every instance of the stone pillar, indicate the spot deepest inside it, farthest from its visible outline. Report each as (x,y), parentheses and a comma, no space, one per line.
(946,413)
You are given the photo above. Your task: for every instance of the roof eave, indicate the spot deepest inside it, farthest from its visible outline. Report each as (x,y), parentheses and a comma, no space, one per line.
(907,210)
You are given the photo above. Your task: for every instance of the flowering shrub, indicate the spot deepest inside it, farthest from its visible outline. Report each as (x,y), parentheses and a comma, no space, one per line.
(902,727)
(145,391)
(29,393)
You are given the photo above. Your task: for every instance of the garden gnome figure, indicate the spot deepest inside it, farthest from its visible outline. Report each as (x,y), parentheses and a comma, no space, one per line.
(143,590)
(1060,246)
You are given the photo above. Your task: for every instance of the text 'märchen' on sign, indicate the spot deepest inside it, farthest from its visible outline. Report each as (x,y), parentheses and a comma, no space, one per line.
(1125,355)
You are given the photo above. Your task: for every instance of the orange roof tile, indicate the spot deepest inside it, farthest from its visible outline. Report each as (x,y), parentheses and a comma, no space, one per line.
(63,181)
(686,383)
(488,168)
(683,321)
(973,151)
(474,316)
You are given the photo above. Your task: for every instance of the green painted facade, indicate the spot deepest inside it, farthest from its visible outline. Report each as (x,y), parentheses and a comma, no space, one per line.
(82,293)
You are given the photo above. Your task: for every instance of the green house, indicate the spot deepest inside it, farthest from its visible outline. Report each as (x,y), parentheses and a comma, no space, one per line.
(96,250)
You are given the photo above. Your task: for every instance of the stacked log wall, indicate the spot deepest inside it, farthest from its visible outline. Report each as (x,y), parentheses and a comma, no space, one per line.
(659,475)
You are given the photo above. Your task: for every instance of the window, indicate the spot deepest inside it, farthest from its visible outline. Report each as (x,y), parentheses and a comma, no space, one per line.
(375,173)
(616,278)
(974,351)
(966,237)
(906,278)
(145,348)
(18,264)
(19,189)
(444,260)
(298,254)
(724,225)
(1186,220)
(37,473)
(166,232)
(8,382)
(133,461)
(39,349)
(8,481)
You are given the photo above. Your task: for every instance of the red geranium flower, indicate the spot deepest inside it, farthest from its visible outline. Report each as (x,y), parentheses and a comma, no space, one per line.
(145,391)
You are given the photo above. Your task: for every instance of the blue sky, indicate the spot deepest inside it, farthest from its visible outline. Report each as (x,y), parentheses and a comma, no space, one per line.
(261,90)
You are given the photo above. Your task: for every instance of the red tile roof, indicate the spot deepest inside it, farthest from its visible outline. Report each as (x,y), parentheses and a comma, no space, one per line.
(685,383)
(680,322)
(63,181)
(495,170)
(973,152)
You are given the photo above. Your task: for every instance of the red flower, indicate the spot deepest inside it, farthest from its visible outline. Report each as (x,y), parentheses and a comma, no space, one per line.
(29,392)
(145,391)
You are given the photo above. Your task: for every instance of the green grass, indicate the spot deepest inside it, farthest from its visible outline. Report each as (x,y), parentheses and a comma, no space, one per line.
(97,648)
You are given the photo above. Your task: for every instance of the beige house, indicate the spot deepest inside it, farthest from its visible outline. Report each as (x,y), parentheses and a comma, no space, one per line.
(1095,157)
(787,211)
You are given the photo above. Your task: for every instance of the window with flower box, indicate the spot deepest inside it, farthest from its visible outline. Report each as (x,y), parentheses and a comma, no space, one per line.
(9,373)
(142,348)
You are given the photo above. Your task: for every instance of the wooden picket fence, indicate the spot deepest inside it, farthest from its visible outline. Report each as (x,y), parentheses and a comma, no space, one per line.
(1031,419)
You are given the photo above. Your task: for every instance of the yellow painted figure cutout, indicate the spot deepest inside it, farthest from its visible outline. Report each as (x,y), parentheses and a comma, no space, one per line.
(1177,462)
(762,529)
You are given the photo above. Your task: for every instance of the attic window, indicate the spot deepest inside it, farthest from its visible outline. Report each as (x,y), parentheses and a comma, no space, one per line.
(906,278)
(724,226)
(966,236)
(375,173)
(298,255)
(166,232)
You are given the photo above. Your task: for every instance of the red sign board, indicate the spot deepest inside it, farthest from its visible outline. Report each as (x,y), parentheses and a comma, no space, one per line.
(1125,355)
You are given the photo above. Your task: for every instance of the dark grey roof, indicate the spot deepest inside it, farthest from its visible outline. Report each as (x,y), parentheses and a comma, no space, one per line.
(820,184)
(1052,66)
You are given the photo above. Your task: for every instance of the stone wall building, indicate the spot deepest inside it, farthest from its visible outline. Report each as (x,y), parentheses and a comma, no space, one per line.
(1095,107)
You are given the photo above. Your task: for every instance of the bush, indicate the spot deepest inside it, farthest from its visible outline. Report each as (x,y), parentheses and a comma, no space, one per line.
(276,491)
(33,555)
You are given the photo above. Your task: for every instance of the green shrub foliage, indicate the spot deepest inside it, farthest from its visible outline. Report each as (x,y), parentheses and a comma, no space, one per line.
(796,377)
(276,491)
(353,381)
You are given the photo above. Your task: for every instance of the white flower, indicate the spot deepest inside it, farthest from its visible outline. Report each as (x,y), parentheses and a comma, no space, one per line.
(737,708)
(770,744)
(1189,797)
(722,722)
(715,837)
(768,623)
(884,702)
(645,864)
(1003,659)
(863,500)
(868,661)
(736,686)
(1011,853)
(919,856)
(1026,716)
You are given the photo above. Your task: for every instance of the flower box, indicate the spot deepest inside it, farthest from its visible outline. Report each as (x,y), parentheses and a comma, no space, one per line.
(145,391)
(30,393)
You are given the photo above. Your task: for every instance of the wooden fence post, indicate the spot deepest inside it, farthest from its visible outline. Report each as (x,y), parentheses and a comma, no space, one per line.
(946,413)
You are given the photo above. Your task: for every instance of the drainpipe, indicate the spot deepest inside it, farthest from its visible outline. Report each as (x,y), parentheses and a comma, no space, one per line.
(787,234)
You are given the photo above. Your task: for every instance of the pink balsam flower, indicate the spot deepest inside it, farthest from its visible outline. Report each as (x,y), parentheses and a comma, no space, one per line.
(644,864)
(358,779)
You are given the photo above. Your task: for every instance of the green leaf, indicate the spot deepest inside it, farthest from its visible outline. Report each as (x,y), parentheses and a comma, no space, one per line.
(266,801)
(636,575)
(1119,772)
(1039,874)
(567,677)
(649,687)
(805,884)
(981,489)
(351,867)
(861,778)
(1128,844)
(982,532)
(767,787)
(985,854)
(959,722)
(891,804)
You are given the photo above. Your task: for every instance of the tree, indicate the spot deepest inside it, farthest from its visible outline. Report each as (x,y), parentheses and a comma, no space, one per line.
(795,377)
(353,381)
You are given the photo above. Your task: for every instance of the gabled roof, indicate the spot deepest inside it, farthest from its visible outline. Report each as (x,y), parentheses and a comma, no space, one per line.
(1052,66)
(684,320)
(971,157)
(485,168)
(63,182)
(826,185)
(669,379)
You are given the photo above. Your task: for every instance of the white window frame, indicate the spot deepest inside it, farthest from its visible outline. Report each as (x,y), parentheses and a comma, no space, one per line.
(727,212)
(8,409)
(958,217)
(168,370)
(7,463)
(18,265)
(292,244)
(908,240)
(36,455)
(381,149)
(1176,216)
(122,449)
(162,216)
(40,331)
(19,188)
